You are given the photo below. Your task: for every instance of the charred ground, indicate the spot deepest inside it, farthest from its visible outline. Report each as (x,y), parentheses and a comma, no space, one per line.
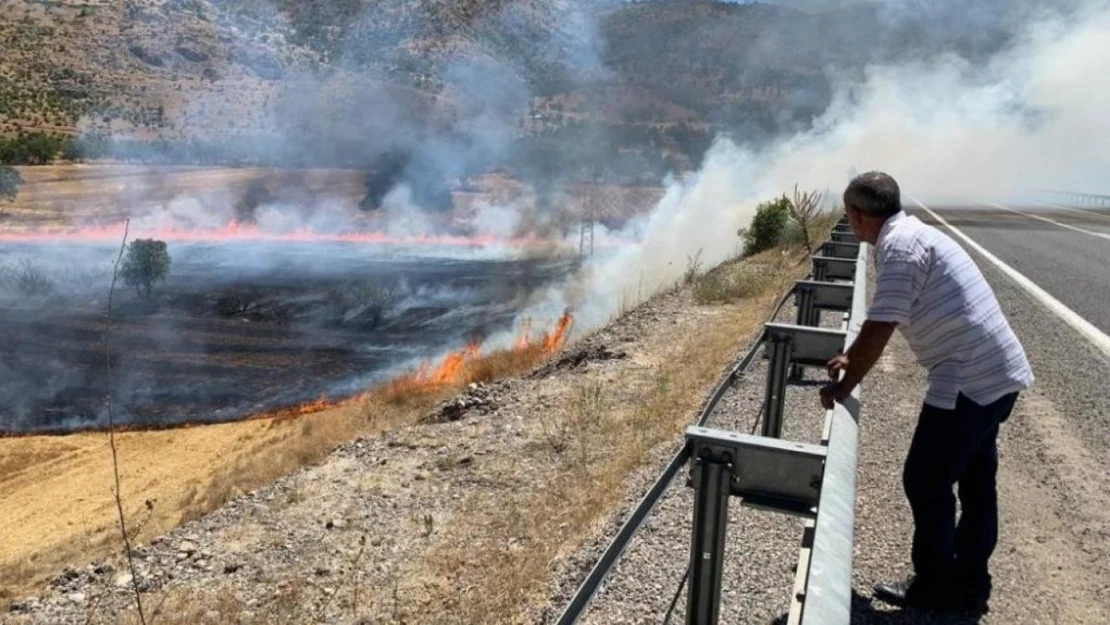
(242,328)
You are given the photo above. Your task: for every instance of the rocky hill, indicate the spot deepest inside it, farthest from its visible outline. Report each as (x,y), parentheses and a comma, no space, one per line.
(456,86)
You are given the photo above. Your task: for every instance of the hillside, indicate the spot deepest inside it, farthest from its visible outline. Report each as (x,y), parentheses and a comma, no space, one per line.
(550,90)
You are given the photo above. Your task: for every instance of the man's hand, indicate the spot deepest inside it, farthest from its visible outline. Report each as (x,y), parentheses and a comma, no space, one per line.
(836,365)
(831,393)
(849,368)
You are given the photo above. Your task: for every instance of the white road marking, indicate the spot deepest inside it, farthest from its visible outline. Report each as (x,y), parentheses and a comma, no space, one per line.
(1103,214)
(1097,338)
(1101,235)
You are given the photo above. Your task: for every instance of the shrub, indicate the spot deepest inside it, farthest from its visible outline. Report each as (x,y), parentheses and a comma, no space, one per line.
(767,226)
(26,279)
(732,281)
(362,305)
(147,262)
(794,235)
(9,182)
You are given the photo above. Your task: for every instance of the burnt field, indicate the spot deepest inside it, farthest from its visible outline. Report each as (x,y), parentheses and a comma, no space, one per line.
(240,328)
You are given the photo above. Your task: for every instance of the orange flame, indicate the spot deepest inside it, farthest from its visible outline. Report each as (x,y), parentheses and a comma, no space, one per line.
(464,366)
(553,342)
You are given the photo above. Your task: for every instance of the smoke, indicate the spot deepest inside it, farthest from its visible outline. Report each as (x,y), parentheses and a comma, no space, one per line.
(1015,106)
(949,128)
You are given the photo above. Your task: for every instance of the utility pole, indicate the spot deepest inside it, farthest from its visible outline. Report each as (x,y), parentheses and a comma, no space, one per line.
(589,217)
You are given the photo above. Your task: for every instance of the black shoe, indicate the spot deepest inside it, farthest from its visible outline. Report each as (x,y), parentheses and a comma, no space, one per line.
(911,593)
(977,604)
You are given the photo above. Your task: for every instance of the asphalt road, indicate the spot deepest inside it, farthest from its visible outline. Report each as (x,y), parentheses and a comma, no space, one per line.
(1069,259)
(1066,251)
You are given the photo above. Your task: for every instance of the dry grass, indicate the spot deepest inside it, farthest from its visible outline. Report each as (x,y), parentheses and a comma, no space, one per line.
(184,473)
(494,561)
(733,281)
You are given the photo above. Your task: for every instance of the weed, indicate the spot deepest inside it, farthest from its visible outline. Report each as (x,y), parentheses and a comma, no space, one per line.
(693,268)
(733,281)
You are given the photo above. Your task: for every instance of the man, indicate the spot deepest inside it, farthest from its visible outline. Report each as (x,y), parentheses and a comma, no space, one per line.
(929,288)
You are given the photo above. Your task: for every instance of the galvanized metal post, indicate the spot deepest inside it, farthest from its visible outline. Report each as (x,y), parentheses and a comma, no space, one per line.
(804,302)
(712,478)
(776,385)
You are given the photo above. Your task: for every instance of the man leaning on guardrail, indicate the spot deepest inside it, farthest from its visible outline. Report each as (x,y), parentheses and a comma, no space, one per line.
(930,289)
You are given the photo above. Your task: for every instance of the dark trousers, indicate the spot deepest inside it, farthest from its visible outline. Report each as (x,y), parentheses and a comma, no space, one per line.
(955,448)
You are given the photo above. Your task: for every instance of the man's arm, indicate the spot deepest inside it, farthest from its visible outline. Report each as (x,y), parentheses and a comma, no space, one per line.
(861,356)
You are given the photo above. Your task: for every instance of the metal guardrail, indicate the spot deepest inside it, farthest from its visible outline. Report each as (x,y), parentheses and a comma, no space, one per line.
(1085,199)
(823,585)
(588,588)
(816,482)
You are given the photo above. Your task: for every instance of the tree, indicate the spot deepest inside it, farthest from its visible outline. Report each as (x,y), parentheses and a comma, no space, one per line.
(9,182)
(805,208)
(146,262)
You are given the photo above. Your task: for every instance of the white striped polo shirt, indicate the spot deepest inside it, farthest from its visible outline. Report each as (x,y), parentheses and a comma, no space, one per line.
(931,288)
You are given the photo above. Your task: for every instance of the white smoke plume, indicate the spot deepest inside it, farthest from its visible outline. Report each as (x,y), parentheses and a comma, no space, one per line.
(948,129)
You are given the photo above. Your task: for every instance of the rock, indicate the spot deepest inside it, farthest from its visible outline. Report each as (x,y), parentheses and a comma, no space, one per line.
(231,568)
(252,603)
(146,56)
(76,597)
(420,476)
(27,605)
(335,524)
(123,580)
(188,547)
(192,55)
(465,460)
(321,571)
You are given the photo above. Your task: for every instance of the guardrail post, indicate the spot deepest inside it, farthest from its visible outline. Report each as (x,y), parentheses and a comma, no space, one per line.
(776,384)
(806,315)
(711,481)
(820,272)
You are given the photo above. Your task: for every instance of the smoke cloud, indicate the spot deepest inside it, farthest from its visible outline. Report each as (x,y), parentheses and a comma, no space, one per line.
(949,129)
(1016,106)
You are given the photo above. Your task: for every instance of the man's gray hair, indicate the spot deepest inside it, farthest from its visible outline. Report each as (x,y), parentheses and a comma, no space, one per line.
(874,194)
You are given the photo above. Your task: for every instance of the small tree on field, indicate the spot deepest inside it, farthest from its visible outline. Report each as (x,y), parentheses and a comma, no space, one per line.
(146,262)
(9,182)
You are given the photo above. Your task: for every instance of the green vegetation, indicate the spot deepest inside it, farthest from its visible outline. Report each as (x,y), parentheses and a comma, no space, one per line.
(768,226)
(31,149)
(9,182)
(732,281)
(146,262)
